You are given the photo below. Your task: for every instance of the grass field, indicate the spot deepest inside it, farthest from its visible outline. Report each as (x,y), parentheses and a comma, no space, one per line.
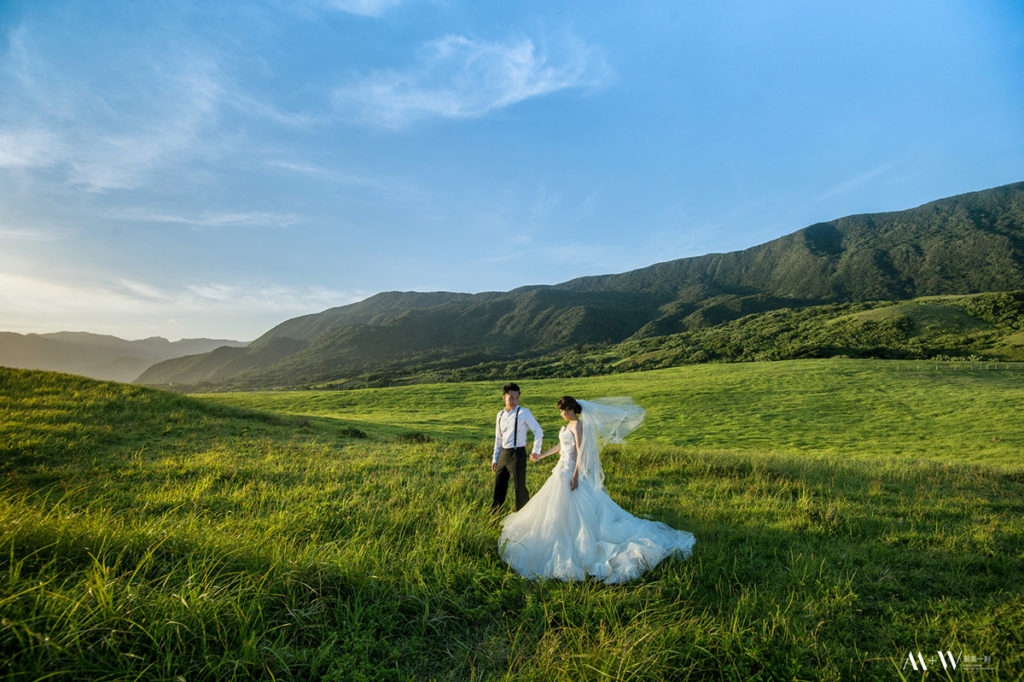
(951,412)
(847,513)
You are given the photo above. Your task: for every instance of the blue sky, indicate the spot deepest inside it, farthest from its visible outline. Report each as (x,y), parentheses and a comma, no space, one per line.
(190,169)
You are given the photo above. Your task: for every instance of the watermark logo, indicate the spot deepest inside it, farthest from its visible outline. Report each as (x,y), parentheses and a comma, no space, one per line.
(913,663)
(952,661)
(946,658)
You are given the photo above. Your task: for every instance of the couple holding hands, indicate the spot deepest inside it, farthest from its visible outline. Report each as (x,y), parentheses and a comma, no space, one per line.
(571,528)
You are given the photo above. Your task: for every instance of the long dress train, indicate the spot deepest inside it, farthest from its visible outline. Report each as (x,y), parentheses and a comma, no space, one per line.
(571,534)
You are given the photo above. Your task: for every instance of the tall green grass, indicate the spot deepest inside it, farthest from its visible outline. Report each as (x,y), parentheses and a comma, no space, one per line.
(153,536)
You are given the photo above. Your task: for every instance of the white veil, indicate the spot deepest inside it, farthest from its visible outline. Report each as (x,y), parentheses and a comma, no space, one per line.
(605,420)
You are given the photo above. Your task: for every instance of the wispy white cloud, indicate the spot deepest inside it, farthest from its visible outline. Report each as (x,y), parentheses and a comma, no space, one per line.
(210,219)
(170,132)
(856,181)
(275,298)
(29,148)
(366,8)
(301,167)
(248,104)
(395,194)
(585,209)
(317,9)
(106,134)
(27,234)
(138,290)
(115,129)
(336,176)
(462,77)
(546,205)
(123,306)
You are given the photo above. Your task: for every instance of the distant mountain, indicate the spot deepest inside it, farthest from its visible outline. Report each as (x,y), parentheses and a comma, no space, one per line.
(960,245)
(96,355)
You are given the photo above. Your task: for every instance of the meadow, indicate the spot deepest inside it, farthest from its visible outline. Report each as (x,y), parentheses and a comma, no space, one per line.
(847,513)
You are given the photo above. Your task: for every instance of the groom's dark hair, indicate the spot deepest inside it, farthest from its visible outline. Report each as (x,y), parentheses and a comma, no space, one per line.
(508,388)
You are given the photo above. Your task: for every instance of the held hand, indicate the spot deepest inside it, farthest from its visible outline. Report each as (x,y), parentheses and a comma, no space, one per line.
(535,457)
(574,481)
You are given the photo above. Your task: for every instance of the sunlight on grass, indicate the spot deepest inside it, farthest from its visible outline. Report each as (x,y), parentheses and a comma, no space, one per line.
(845,408)
(145,534)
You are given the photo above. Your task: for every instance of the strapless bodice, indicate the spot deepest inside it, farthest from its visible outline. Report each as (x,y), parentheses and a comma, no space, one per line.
(567,451)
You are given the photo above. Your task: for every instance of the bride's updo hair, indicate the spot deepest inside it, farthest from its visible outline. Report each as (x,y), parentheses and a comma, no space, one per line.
(569,403)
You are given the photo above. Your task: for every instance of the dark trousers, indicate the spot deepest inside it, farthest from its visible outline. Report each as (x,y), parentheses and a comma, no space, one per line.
(511,464)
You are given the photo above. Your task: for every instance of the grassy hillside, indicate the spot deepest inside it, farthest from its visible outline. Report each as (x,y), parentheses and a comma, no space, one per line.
(155,535)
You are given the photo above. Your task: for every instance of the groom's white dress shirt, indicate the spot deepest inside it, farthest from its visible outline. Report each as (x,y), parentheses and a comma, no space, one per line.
(506,423)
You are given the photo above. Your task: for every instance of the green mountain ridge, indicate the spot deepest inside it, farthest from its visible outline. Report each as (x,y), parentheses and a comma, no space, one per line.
(971,243)
(975,327)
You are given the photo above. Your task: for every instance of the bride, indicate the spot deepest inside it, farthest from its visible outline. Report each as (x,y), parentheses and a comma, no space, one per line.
(571,528)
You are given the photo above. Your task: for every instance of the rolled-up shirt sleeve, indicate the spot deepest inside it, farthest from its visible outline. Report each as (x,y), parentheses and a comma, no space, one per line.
(538,433)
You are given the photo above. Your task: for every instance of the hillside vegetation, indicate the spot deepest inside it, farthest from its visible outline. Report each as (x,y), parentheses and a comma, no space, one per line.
(977,327)
(972,243)
(149,535)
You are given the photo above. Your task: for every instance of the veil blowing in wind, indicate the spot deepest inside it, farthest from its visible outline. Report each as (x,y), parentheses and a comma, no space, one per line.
(571,528)
(605,420)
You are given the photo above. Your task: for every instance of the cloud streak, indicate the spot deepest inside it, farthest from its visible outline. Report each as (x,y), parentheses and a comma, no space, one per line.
(27,234)
(105,130)
(28,148)
(338,177)
(211,219)
(855,182)
(108,129)
(117,304)
(458,77)
(366,8)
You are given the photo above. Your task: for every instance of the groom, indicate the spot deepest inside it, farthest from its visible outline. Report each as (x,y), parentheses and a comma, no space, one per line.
(509,460)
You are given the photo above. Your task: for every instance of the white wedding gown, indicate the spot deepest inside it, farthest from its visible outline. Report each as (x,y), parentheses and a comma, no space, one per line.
(571,534)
